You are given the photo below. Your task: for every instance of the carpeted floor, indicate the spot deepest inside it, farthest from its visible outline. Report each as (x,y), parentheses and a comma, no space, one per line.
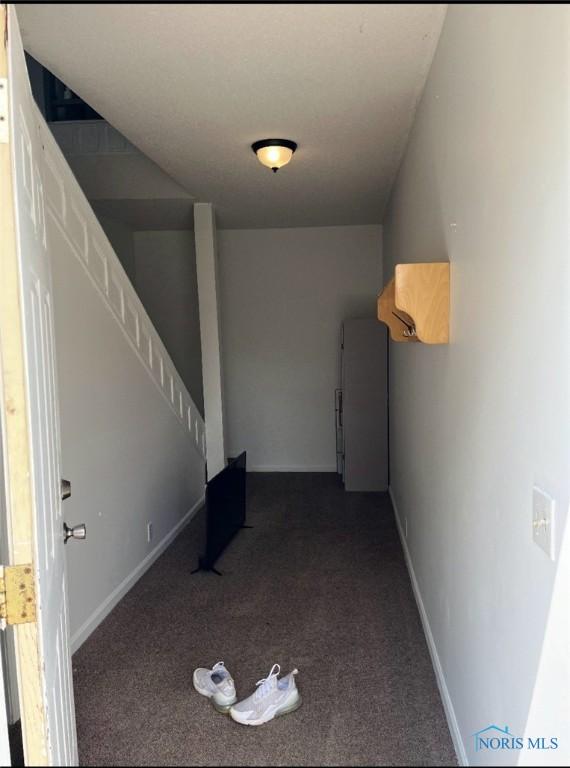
(320,583)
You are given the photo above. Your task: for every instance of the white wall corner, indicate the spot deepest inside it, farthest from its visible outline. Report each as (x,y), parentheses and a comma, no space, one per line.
(210,334)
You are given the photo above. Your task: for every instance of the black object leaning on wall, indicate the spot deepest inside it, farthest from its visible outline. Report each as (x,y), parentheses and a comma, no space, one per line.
(225,510)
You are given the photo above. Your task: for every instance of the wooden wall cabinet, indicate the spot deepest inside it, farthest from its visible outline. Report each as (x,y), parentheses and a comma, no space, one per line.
(415,303)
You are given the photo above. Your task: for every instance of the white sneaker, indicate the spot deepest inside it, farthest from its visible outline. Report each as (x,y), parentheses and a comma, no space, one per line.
(217,684)
(273,698)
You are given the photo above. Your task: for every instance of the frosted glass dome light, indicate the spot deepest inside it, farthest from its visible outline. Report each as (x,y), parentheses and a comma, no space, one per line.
(274,153)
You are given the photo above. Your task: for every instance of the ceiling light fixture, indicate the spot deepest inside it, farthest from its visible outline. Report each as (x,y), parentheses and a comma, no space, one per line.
(274,153)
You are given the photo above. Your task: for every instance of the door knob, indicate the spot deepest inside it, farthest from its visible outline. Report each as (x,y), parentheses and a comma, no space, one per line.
(65,489)
(76,532)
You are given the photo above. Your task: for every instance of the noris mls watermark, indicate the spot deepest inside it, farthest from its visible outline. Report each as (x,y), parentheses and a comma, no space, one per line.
(494,739)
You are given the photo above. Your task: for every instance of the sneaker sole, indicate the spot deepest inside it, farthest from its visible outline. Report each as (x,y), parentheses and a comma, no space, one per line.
(285,711)
(221,708)
(291,708)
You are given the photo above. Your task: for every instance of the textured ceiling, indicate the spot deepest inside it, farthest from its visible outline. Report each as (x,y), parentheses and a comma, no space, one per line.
(194,85)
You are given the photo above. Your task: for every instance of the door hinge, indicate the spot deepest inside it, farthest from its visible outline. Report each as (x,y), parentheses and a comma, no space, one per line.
(17,595)
(3,110)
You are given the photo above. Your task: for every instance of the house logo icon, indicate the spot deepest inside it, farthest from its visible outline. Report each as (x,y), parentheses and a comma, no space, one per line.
(493,737)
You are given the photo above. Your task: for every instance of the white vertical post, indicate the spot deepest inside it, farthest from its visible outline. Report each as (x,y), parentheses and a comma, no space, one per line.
(210,334)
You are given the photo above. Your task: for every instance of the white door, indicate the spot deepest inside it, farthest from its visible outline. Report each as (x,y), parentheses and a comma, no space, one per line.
(30,422)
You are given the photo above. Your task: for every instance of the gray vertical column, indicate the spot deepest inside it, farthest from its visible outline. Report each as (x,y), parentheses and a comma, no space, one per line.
(365,405)
(210,335)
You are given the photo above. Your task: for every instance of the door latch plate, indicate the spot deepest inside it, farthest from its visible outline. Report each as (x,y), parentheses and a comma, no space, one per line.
(17,594)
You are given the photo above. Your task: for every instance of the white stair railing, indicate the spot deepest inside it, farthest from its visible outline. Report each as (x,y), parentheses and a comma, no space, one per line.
(79,225)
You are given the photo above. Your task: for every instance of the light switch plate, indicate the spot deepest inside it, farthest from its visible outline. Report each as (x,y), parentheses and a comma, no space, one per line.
(543,520)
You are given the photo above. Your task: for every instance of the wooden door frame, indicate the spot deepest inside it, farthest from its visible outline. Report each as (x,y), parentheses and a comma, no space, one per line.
(16,445)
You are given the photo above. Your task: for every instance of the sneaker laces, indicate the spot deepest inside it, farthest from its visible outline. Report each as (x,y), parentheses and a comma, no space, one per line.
(266,683)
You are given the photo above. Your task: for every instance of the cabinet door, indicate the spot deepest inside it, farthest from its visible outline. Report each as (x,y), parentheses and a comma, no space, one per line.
(365,406)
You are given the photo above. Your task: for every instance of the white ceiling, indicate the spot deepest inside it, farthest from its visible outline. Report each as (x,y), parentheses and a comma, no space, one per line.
(193,85)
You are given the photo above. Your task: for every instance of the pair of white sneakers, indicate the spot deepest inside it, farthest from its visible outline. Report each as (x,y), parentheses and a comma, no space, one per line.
(274,696)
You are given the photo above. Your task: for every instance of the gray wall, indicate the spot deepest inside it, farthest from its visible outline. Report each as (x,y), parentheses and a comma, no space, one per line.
(161,265)
(131,459)
(475,424)
(165,280)
(121,238)
(284,295)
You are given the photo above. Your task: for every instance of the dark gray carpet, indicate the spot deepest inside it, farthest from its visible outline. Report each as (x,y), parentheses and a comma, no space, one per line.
(320,583)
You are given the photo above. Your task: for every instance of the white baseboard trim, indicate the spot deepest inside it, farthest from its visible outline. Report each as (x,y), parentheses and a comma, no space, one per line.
(119,592)
(438,669)
(291,468)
